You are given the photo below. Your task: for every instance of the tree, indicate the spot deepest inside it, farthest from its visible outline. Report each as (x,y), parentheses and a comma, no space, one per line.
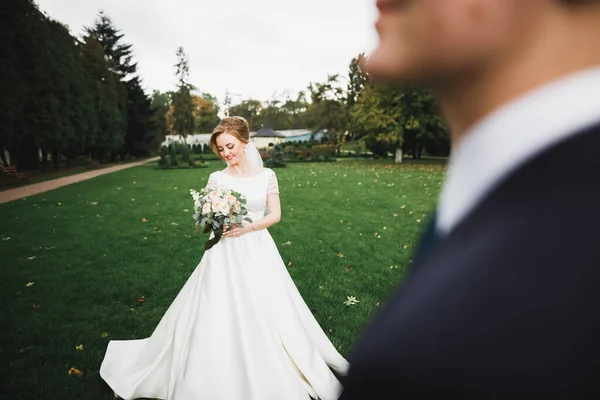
(327,110)
(227,103)
(295,112)
(140,129)
(250,110)
(356,80)
(205,113)
(119,55)
(161,103)
(400,119)
(183,117)
(108,96)
(19,31)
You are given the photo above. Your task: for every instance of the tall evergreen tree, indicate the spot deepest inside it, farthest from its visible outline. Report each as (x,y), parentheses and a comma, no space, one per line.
(108,96)
(183,117)
(140,130)
(160,104)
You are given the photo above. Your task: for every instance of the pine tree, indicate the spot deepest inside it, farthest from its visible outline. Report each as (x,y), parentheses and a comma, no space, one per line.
(139,113)
(183,117)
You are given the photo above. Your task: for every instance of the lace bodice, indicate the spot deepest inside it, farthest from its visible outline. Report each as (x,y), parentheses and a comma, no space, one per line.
(255,188)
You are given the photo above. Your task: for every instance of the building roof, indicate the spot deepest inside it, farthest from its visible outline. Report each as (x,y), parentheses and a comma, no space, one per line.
(265,131)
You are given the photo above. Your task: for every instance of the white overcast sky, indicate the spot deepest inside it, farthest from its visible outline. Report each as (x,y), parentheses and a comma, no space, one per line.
(254,48)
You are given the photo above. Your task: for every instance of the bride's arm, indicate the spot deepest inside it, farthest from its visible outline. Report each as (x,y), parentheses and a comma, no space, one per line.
(273,217)
(273,205)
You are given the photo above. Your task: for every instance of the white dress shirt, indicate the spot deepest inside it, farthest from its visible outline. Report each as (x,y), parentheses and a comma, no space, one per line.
(510,136)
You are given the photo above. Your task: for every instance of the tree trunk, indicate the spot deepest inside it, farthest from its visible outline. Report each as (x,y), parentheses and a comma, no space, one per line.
(419,150)
(399,157)
(3,156)
(44,158)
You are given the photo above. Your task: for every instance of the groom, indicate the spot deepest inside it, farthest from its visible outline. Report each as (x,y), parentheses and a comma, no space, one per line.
(505,301)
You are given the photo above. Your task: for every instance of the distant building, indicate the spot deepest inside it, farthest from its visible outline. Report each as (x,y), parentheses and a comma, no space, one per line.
(301,135)
(200,138)
(261,138)
(266,135)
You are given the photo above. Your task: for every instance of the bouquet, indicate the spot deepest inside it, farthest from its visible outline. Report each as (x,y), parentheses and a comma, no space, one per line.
(216,209)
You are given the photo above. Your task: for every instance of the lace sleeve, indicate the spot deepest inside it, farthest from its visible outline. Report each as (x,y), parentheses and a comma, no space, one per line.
(212,181)
(273,186)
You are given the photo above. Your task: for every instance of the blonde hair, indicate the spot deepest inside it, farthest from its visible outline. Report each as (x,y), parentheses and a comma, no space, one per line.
(235,126)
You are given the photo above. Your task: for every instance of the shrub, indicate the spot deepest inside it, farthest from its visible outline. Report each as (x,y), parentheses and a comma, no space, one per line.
(276,160)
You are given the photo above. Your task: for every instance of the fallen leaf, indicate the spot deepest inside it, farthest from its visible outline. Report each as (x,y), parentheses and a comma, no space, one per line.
(104,335)
(75,372)
(174,223)
(340,255)
(36,306)
(144,220)
(59,203)
(29,284)
(290,264)
(347,269)
(405,247)
(351,301)
(141,298)
(419,221)
(79,348)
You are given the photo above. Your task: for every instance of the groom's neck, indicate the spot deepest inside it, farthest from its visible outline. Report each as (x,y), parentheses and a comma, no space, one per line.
(563,42)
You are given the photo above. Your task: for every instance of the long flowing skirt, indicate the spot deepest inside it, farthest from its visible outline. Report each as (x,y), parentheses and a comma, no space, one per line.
(237,330)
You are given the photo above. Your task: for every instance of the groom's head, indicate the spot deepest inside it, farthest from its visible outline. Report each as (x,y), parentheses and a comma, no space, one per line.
(434,41)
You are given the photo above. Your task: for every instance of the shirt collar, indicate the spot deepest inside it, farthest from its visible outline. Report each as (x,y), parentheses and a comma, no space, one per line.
(513,134)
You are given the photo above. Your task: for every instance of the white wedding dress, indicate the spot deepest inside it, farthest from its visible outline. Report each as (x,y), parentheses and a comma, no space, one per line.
(237,330)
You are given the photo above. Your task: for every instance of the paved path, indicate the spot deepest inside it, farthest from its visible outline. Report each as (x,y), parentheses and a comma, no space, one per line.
(30,190)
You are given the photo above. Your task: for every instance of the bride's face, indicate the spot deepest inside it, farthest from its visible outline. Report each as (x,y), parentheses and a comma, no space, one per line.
(230,148)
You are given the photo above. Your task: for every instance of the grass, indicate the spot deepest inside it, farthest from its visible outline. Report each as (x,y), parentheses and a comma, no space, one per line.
(85,247)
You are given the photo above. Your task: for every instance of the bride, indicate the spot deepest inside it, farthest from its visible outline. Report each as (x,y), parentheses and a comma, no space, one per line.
(238,329)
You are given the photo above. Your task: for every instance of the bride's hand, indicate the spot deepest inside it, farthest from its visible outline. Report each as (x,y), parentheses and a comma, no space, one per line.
(236,230)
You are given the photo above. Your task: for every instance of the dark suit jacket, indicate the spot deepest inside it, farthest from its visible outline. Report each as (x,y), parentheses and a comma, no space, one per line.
(508,304)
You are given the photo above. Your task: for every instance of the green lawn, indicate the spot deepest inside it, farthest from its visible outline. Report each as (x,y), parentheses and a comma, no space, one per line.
(87,256)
